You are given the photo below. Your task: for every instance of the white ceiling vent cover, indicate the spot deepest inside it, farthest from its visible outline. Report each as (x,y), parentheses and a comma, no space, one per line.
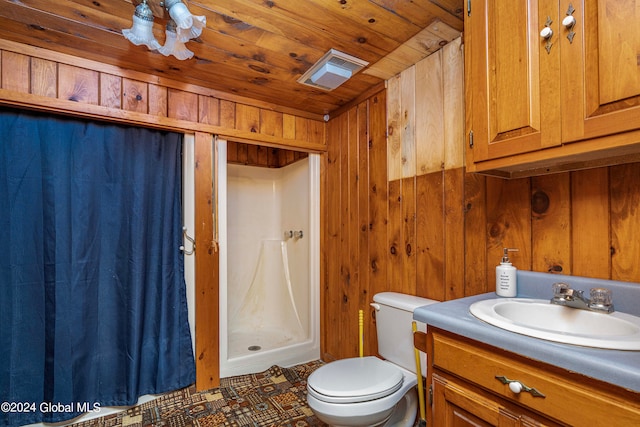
(333,69)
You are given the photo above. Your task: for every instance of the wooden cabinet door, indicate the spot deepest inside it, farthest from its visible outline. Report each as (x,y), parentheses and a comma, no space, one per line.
(513,81)
(601,69)
(455,405)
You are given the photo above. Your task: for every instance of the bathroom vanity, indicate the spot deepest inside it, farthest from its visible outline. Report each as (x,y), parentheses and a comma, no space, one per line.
(481,375)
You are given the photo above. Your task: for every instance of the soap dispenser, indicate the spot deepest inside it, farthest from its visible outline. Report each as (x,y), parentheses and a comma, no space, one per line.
(506,285)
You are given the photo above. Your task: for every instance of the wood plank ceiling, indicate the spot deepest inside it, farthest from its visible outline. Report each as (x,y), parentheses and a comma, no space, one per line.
(251,48)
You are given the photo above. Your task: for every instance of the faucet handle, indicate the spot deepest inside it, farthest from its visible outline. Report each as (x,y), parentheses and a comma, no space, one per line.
(601,297)
(560,289)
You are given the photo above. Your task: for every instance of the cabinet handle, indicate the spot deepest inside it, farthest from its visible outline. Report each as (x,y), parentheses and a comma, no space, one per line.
(569,22)
(547,34)
(516,386)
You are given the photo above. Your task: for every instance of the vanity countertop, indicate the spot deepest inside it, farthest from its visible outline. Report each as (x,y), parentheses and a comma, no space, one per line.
(612,366)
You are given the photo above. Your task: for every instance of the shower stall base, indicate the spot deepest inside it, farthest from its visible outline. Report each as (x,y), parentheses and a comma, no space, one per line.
(242,343)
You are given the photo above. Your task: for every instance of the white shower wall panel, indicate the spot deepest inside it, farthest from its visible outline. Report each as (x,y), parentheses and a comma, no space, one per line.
(262,205)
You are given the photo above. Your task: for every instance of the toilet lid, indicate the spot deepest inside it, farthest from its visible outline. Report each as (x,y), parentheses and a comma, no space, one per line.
(355,380)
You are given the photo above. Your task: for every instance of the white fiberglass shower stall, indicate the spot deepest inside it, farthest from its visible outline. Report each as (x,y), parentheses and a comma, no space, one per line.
(268,221)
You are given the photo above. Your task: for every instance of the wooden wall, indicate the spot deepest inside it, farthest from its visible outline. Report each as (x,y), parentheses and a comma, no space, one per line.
(36,78)
(256,155)
(395,187)
(410,219)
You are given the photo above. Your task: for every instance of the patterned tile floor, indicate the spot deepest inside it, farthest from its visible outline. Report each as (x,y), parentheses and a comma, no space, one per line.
(273,398)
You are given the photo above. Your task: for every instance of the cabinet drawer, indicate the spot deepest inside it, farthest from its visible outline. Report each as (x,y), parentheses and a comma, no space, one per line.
(565,399)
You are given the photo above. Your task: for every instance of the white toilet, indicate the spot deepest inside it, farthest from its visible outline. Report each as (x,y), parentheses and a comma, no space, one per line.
(369,391)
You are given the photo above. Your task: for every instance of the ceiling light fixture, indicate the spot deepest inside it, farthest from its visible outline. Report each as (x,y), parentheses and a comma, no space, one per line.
(181,27)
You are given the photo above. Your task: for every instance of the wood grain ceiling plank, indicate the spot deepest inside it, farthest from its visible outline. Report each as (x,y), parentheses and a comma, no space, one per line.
(111,15)
(422,12)
(366,15)
(306,23)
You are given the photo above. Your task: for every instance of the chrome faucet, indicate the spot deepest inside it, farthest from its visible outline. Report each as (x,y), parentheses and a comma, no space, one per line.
(600,298)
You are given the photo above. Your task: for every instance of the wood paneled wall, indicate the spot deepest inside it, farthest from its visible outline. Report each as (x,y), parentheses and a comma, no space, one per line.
(257,155)
(36,78)
(395,187)
(582,223)
(411,220)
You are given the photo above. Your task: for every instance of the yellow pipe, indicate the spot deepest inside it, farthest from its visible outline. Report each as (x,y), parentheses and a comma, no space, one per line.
(361,331)
(423,415)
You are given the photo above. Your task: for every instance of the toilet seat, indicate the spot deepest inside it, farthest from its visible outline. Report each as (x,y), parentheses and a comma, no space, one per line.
(355,380)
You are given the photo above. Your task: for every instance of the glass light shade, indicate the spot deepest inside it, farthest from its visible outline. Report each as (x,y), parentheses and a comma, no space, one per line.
(173,45)
(141,33)
(188,26)
(179,13)
(199,22)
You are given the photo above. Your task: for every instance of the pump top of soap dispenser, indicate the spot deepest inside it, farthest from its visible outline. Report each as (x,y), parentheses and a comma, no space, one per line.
(505,255)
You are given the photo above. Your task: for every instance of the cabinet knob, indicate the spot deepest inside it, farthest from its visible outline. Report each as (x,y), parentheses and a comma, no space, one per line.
(515,387)
(546,33)
(569,22)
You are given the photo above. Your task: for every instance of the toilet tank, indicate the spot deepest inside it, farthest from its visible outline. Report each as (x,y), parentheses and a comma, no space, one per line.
(394,315)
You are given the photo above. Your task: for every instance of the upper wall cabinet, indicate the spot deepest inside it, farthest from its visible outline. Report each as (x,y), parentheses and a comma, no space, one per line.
(551,85)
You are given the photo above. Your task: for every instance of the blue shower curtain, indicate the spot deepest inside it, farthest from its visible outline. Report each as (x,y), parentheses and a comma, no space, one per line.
(92,296)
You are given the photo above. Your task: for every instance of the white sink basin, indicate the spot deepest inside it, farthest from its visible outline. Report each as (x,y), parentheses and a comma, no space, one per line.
(541,319)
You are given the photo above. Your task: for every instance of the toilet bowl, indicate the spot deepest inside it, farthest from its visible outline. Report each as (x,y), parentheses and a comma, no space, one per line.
(371,391)
(363,392)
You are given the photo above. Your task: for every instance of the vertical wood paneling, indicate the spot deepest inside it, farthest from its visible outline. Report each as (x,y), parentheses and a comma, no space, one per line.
(508,223)
(475,237)
(302,128)
(378,215)
(227,114)
(454,259)
(353,286)
(135,95)
(44,78)
(453,104)
(288,126)
(332,298)
(394,233)
(316,130)
(408,121)
(394,132)
(247,118)
(625,222)
(111,91)
(183,105)
(78,84)
(349,293)
(551,223)
(271,123)
(209,108)
(15,72)
(158,100)
(430,236)
(252,154)
(429,131)
(591,256)
(408,239)
(362,195)
(206,268)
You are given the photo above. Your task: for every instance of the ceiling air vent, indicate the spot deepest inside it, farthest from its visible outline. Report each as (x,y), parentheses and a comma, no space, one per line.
(333,69)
